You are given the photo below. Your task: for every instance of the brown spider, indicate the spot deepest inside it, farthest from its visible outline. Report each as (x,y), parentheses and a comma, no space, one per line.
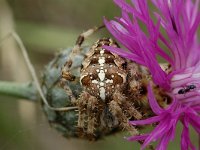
(103,76)
(103,101)
(114,89)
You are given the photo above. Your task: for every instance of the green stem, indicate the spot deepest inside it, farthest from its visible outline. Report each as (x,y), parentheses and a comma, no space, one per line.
(19,90)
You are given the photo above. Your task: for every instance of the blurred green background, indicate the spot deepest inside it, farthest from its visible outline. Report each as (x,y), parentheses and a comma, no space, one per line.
(45,27)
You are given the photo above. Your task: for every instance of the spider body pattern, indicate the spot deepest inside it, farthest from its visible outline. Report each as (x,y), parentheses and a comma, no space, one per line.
(103,71)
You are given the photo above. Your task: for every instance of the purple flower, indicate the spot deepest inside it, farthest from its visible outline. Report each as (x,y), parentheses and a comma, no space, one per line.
(179,19)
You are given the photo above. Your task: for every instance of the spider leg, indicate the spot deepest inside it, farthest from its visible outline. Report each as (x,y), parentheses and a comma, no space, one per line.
(86,34)
(64,85)
(119,101)
(116,108)
(82,107)
(92,114)
(88,114)
(130,110)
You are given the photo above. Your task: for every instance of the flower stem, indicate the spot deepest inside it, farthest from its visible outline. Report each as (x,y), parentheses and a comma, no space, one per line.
(19,90)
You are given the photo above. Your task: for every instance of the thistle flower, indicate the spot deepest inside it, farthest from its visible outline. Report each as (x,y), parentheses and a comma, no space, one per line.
(180,20)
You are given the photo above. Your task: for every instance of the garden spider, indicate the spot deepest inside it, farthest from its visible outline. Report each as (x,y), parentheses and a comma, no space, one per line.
(104,102)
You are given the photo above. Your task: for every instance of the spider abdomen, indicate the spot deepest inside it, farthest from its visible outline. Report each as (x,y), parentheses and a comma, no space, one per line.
(103,71)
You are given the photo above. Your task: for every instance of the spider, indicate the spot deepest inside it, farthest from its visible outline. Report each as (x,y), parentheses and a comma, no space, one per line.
(104,76)
(114,89)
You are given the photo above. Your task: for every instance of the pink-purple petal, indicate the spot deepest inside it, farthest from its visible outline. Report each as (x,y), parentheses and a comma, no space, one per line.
(185,139)
(150,120)
(128,55)
(165,140)
(162,129)
(180,19)
(152,101)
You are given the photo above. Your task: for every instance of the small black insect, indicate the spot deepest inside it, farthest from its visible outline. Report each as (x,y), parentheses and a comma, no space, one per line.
(191,87)
(188,88)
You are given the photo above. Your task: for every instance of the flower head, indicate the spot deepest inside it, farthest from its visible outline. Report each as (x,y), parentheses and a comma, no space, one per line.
(180,20)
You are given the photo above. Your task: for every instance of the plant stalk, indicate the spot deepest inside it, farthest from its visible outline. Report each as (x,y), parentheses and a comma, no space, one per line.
(19,90)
